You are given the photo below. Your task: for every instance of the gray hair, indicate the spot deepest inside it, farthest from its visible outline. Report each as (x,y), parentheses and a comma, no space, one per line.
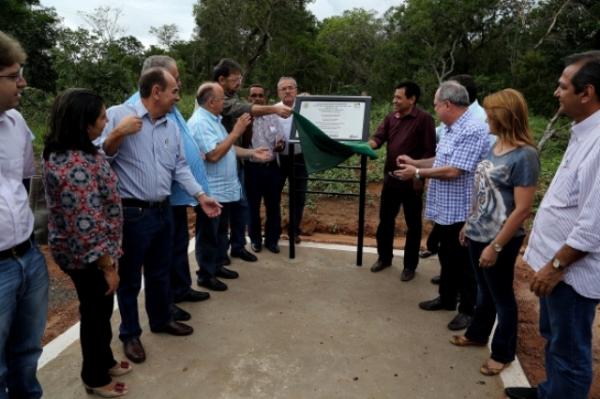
(453,92)
(160,61)
(281,79)
(205,92)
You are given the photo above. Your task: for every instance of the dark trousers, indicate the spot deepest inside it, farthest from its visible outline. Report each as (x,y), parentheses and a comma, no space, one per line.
(238,217)
(495,296)
(210,247)
(96,310)
(301,185)
(457,275)
(433,241)
(181,282)
(263,180)
(393,195)
(147,241)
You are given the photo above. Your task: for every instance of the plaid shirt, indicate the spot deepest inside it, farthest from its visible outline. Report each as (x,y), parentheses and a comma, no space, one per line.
(463,146)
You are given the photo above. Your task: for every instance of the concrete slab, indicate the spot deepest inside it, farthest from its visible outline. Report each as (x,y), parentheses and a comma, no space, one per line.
(313,327)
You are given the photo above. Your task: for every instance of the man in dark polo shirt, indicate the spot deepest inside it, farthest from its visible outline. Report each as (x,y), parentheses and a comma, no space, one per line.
(407,130)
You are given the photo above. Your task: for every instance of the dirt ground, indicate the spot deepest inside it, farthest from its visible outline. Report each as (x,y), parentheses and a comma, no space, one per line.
(334,220)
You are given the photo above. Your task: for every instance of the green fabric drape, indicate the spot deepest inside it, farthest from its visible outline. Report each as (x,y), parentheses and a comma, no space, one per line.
(322,152)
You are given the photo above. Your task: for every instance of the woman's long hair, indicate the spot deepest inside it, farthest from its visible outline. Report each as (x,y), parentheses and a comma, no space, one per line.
(507,112)
(73,111)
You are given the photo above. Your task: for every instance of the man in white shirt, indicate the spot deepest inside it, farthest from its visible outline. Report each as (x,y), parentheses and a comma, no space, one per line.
(23,272)
(287,90)
(564,245)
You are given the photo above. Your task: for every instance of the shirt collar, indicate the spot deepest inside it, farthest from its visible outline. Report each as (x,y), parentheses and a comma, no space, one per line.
(208,114)
(585,127)
(456,126)
(5,117)
(412,113)
(141,111)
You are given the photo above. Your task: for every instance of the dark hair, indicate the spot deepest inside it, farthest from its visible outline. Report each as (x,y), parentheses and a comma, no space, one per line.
(225,67)
(256,85)
(411,89)
(73,111)
(589,73)
(469,83)
(149,78)
(11,51)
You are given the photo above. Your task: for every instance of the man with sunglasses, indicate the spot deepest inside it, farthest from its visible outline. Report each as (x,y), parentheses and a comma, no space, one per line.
(23,272)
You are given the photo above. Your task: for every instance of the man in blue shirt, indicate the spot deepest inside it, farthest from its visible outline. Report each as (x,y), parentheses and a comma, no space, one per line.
(451,171)
(146,153)
(221,167)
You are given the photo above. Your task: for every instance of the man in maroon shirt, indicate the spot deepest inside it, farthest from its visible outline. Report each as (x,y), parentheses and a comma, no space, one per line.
(407,130)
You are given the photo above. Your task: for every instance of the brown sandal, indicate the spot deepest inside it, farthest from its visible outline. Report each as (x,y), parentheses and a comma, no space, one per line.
(486,369)
(461,340)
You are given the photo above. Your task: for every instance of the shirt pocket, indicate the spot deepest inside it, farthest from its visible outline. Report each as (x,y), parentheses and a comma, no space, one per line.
(167,152)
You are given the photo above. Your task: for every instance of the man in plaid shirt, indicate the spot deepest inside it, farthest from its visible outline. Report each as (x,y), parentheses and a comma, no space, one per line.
(463,145)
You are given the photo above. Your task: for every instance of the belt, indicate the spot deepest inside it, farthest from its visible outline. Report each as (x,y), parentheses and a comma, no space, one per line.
(132,202)
(17,251)
(265,164)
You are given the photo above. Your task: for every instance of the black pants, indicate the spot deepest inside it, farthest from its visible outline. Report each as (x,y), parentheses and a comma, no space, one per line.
(457,274)
(393,195)
(263,180)
(301,185)
(495,296)
(95,309)
(181,282)
(433,241)
(211,240)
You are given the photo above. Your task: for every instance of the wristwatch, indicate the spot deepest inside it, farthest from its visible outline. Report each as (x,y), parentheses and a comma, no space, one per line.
(497,247)
(417,174)
(557,265)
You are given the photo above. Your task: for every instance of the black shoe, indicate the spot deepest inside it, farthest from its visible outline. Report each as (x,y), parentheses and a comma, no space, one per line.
(212,283)
(436,280)
(297,239)
(193,296)
(179,314)
(256,246)
(407,275)
(273,248)
(244,255)
(226,273)
(435,304)
(134,350)
(175,328)
(521,393)
(425,253)
(460,322)
(379,265)
(227,261)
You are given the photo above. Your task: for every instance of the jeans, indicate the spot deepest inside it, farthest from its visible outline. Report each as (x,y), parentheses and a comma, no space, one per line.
(457,274)
(148,242)
(495,295)
(95,309)
(238,218)
(566,320)
(181,282)
(393,195)
(23,312)
(301,175)
(263,180)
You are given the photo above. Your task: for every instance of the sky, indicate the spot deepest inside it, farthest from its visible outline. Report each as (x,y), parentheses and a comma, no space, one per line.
(139,15)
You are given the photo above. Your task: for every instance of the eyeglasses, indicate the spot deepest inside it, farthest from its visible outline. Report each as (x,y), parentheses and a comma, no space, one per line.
(235,78)
(15,76)
(437,104)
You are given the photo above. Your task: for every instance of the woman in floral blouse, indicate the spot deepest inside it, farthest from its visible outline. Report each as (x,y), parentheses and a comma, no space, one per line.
(85,227)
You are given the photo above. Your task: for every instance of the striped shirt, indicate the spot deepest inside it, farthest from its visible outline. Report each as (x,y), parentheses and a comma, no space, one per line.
(570,212)
(193,158)
(463,146)
(148,161)
(207,131)
(16,164)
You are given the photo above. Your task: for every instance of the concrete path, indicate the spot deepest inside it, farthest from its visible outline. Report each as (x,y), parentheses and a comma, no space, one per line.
(313,327)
